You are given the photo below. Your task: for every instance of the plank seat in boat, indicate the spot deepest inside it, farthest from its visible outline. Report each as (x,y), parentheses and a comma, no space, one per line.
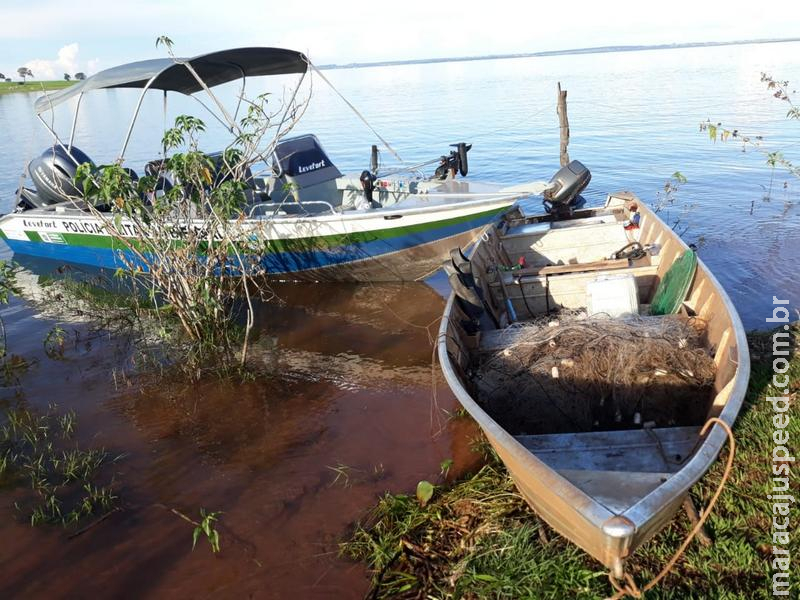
(616,490)
(527,229)
(617,468)
(565,290)
(599,265)
(532,274)
(541,227)
(569,242)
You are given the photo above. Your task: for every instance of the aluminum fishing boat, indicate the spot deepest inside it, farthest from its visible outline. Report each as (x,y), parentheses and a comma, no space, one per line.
(314,222)
(609,489)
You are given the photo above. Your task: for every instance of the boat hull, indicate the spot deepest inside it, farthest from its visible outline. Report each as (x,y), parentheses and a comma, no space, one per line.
(608,534)
(378,246)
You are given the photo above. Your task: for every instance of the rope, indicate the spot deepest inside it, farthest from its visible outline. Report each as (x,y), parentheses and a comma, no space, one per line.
(629,587)
(636,251)
(355,110)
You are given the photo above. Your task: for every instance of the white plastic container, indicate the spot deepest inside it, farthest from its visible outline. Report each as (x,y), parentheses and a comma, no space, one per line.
(612,295)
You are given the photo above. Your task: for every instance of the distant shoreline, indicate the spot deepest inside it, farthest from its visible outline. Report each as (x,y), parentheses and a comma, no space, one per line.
(46,86)
(545,53)
(13,87)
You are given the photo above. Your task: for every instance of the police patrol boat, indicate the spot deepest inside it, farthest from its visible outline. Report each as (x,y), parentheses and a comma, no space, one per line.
(315,223)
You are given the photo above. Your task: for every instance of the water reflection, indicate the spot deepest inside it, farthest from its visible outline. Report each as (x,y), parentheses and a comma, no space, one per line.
(349,392)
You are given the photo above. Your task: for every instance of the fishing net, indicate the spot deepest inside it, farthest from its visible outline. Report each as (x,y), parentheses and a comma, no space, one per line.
(571,373)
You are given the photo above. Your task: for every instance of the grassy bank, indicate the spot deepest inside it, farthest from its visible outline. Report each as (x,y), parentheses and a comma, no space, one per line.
(478,538)
(33,86)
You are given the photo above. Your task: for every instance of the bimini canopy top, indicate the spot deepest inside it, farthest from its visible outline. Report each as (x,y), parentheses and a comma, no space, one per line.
(171,75)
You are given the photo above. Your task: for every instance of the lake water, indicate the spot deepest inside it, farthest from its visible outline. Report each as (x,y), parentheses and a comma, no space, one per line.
(633,116)
(357,358)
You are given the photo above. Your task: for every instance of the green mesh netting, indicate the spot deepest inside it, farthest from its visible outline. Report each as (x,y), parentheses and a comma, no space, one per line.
(673,287)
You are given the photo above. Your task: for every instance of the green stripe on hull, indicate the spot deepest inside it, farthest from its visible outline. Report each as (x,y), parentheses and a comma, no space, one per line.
(292,245)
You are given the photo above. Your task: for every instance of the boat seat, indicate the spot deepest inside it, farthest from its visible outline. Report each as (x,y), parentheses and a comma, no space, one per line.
(564,290)
(568,242)
(616,468)
(527,229)
(541,227)
(599,265)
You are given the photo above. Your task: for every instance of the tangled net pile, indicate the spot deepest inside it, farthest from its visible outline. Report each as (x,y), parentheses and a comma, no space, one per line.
(572,373)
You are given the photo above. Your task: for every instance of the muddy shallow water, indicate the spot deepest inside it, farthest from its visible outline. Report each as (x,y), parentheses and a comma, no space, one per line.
(352,391)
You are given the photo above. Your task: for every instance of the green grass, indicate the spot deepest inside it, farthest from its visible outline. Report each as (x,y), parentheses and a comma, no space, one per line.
(478,538)
(33,86)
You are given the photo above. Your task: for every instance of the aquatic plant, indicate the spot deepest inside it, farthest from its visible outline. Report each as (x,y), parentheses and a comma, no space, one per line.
(37,449)
(11,365)
(780,89)
(204,527)
(180,228)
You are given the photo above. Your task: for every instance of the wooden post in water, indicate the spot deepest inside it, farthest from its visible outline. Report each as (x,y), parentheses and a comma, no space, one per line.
(563,124)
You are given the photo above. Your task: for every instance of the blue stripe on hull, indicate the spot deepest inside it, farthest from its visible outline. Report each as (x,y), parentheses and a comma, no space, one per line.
(277,263)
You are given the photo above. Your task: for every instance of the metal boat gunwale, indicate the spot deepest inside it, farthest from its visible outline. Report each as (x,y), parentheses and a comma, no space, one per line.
(711,446)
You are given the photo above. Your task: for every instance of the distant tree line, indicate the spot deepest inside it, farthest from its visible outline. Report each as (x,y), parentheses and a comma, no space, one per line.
(25,72)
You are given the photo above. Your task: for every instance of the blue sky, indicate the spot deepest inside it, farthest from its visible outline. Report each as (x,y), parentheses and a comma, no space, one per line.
(55,36)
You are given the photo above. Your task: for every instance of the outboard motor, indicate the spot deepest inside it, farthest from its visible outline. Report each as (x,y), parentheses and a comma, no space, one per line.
(52,173)
(454,162)
(569,182)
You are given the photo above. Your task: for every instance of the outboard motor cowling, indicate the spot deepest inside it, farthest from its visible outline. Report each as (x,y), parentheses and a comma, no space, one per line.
(52,174)
(569,181)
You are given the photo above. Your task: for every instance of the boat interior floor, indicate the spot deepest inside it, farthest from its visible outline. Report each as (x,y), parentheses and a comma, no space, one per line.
(616,468)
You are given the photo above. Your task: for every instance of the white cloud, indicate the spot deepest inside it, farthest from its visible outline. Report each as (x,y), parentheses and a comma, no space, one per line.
(353,31)
(66,62)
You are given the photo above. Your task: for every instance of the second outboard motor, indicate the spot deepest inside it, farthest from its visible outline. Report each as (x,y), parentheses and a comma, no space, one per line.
(461,152)
(569,181)
(52,173)
(455,162)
